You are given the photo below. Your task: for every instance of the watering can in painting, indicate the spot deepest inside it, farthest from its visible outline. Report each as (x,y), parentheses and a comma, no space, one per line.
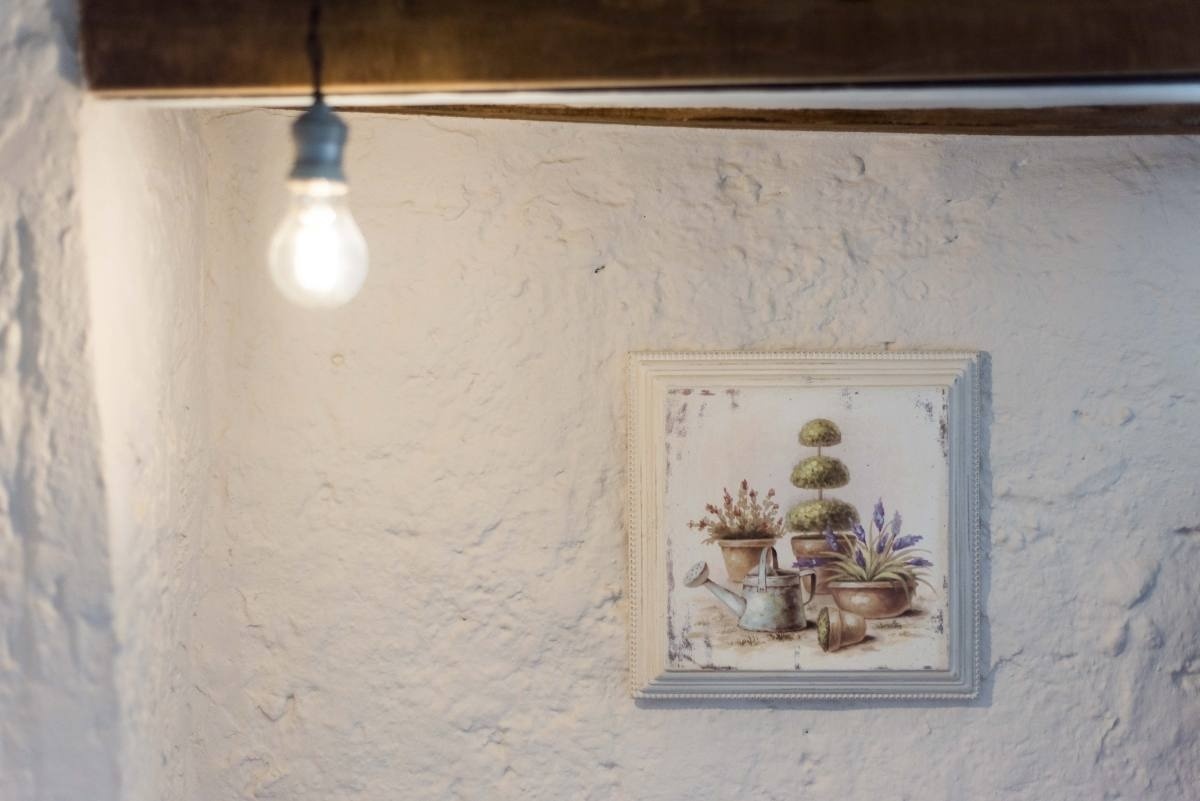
(771,599)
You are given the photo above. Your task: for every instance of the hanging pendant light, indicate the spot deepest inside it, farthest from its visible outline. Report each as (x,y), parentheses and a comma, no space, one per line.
(318,256)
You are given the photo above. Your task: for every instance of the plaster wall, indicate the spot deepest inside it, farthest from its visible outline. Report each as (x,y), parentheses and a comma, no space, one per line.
(109,340)
(155,313)
(59,713)
(420,592)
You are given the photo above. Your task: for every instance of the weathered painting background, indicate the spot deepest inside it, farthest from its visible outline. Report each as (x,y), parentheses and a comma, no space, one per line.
(894,445)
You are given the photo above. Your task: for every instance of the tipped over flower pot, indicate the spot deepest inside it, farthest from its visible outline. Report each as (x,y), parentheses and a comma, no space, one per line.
(837,628)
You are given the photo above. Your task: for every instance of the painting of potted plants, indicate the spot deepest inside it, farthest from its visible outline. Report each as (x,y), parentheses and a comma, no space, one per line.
(875,571)
(742,526)
(745,452)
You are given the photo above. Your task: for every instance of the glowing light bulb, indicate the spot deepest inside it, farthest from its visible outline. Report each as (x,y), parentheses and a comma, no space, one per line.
(318,256)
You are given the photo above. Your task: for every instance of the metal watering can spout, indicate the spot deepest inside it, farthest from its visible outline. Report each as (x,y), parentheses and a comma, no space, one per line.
(698,576)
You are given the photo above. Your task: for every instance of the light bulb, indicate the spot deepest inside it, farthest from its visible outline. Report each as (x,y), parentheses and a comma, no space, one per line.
(318,256)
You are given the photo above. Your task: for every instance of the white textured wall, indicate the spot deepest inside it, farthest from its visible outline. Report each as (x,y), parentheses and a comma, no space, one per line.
(419,592)
(58,706)
(109,346)
(249,552)
(155,314)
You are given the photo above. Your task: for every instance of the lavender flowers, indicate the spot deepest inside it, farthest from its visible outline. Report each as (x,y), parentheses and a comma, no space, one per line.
(880,554)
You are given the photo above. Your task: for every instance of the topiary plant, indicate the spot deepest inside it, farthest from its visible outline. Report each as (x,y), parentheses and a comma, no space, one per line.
(820,433)
(820,472)
(813,517)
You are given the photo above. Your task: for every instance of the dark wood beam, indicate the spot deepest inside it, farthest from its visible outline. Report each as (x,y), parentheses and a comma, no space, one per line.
(146,48)
(1065,121)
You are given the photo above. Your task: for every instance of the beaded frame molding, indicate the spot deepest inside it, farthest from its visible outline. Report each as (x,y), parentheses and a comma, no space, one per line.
(652,374)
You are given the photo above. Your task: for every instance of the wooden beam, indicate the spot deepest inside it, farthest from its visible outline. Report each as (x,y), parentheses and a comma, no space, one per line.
(149,48)
(1058,121)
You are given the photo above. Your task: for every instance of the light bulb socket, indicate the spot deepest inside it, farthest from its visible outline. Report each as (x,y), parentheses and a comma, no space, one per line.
(320,138)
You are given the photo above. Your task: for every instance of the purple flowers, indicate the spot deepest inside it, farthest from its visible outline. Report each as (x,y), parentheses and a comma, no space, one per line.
(831,540)
(814,561)
(875,553)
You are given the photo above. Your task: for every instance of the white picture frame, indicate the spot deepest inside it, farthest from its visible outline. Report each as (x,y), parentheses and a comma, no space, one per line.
(653,376)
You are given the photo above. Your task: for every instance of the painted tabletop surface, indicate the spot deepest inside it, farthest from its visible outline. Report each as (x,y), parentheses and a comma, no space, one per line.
(713,623)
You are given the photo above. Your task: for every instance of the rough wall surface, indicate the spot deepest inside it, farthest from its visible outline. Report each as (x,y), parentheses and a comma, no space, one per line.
(58,709)
(145,231)
(417,592)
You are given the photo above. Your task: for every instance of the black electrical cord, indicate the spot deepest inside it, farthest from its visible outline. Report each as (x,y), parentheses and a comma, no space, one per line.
(316,56)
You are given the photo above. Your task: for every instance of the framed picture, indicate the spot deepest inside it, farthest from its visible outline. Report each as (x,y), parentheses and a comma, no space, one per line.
(803,525)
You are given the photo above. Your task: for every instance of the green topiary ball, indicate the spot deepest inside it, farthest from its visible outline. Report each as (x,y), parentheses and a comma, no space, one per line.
(820,433)
(820,472)
(821,514)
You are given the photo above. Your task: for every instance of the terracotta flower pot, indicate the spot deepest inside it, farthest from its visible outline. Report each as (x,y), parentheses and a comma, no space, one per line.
(806,546)
(872,599)
(742,555)
(837,628)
